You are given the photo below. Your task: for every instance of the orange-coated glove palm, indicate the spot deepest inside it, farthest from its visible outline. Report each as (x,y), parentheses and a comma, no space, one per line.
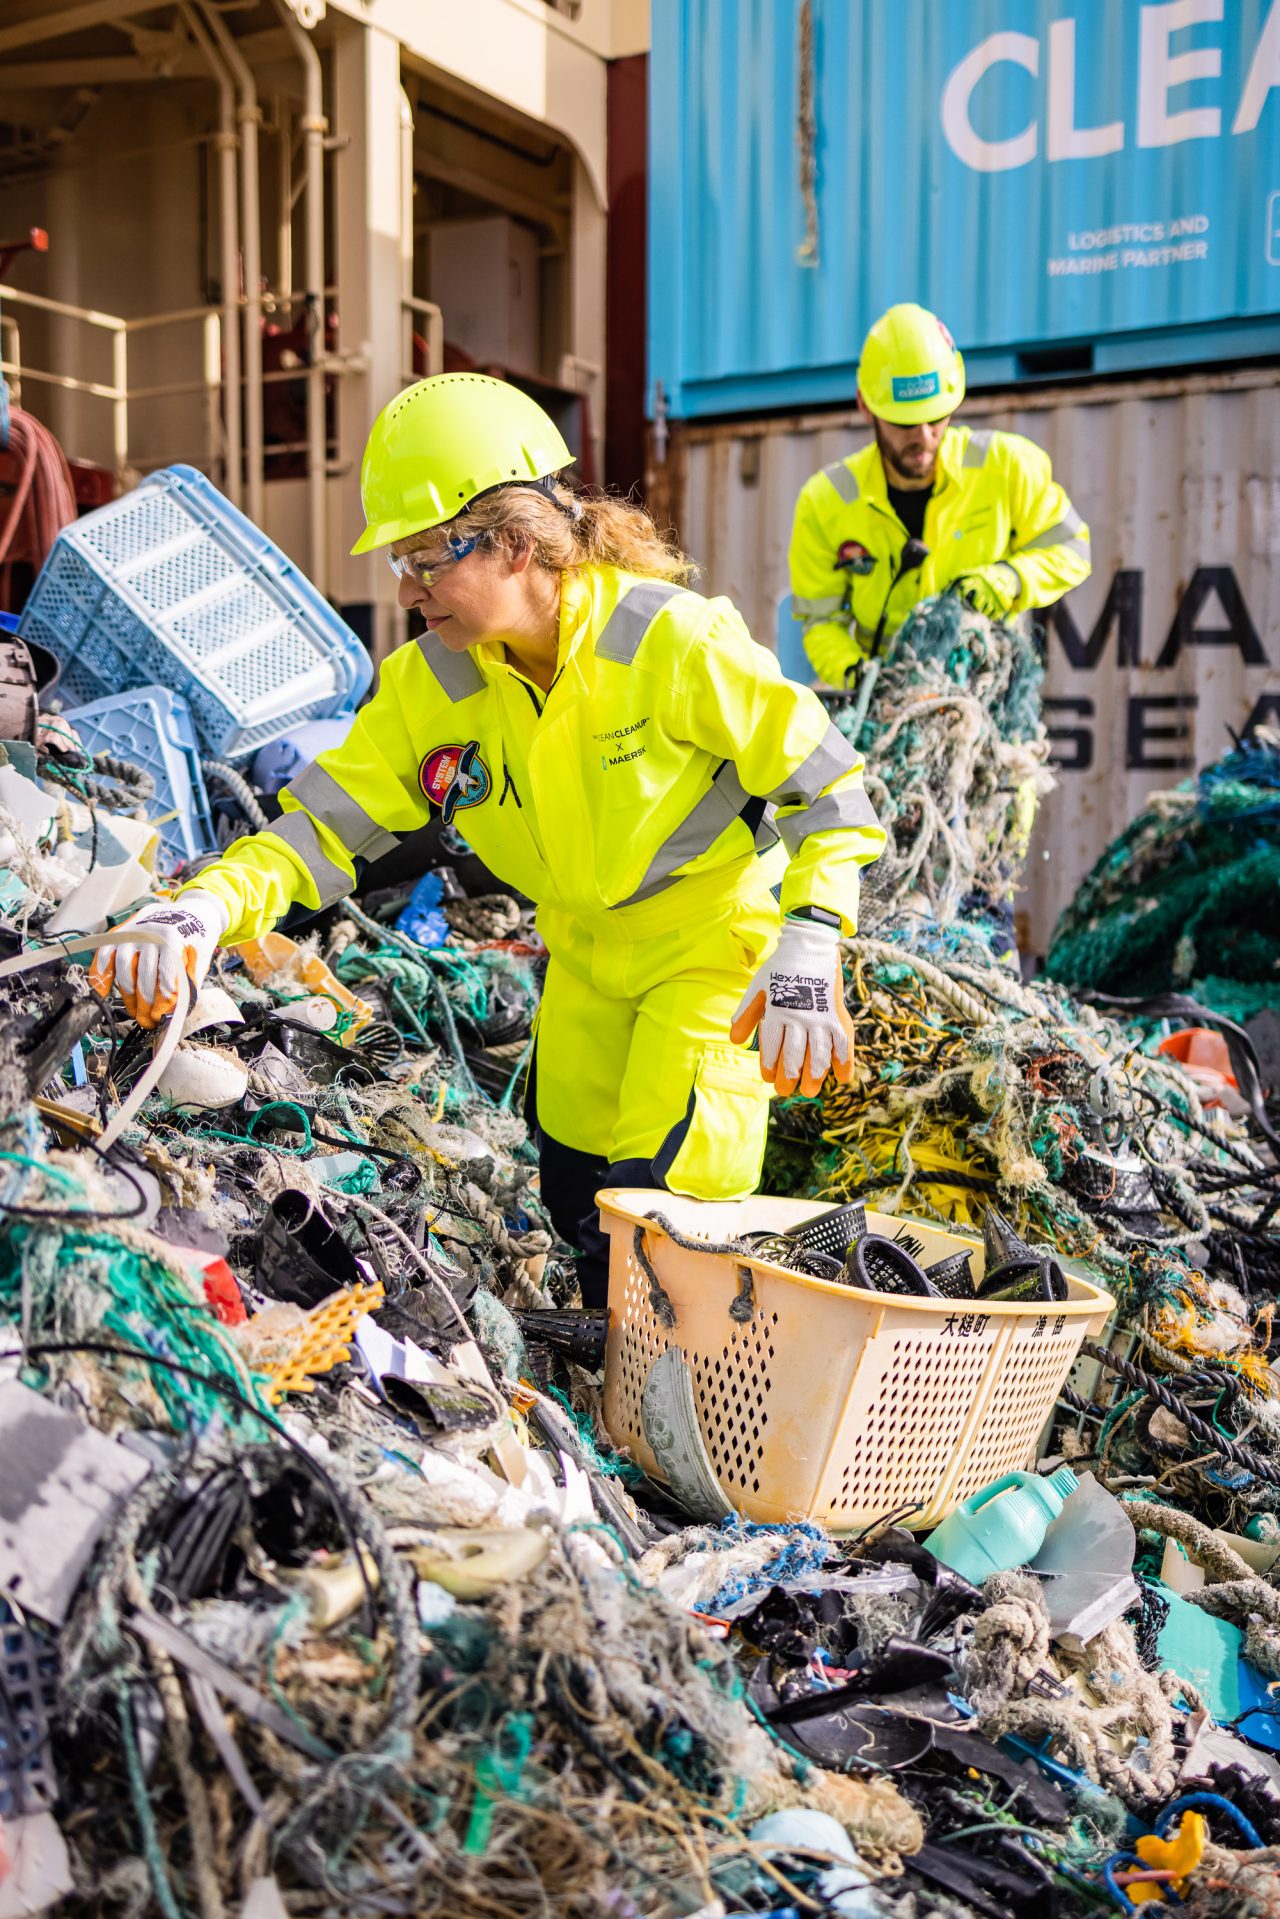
(146,973)
(797,1001)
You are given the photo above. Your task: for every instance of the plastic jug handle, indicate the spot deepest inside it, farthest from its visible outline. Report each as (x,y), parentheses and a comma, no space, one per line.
(976,1502)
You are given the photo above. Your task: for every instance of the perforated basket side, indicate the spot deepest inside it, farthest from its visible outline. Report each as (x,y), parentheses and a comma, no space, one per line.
(768,1391)
(732,1391)
(733,1376)
(732,1380)
(120,533)
(912,1398)
(636,1339)
(1017,1403)
(827,1403)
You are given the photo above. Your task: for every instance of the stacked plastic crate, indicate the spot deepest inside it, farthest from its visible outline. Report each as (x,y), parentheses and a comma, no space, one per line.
(183,630)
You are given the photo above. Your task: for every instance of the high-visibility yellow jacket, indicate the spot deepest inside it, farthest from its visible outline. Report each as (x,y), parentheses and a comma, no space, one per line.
(669,746)
(994,498)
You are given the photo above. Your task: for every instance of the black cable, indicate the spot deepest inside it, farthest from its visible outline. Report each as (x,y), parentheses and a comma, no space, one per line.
(1268,1213)
(108,1070)
(61,1216)
(1166,1192)
(38,1348)
(1230,1449)
(365,1146)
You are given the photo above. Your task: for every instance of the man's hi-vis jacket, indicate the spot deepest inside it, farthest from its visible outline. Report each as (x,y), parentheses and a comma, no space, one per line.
(994,498)
(668,746)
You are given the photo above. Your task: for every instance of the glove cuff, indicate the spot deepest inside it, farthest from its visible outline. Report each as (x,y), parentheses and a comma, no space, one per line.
(211,909)
(815,916)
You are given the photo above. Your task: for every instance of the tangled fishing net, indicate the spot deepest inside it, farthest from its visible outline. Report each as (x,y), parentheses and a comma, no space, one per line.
(971,1088)
(388,1627)
(956,756)
(1188,896)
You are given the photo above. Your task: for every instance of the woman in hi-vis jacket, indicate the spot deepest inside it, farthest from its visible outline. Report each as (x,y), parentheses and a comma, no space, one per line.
(614,745)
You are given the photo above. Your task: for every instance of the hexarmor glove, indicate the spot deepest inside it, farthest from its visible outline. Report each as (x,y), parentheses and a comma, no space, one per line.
(797,1001)
(146,976)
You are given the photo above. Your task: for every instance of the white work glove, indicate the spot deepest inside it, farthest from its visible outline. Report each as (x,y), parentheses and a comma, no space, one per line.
(145,975)
(797,1001)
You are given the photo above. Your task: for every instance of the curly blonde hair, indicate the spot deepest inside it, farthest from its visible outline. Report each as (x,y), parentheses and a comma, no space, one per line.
(567,529)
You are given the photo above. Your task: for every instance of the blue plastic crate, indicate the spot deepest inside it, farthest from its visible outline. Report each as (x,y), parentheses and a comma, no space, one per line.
(28,1708)
(152,727)
(173,586)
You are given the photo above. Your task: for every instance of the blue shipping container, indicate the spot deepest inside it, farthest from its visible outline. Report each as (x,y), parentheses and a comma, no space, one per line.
(1075,186)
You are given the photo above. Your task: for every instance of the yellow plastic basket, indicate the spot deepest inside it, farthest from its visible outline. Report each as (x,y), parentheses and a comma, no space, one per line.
(831,1403)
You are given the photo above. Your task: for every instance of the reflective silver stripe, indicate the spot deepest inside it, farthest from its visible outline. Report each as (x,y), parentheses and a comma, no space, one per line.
(831,757)
(333,806)
(1079,545)
(849,807)
(811,610)
(979,446)
(767,833)
(697,833)
(1067,527)
(300,836)
(457,673)
(620,636)
(842,480)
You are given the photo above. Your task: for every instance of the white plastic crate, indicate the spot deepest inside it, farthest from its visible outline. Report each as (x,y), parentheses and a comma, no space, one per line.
(173,586)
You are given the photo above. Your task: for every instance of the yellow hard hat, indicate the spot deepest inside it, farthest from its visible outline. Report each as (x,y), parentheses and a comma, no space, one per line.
(910,368)
(441,443)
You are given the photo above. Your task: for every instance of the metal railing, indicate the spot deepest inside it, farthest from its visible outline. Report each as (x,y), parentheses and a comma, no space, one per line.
(119,395)
(412,309)
(117,392)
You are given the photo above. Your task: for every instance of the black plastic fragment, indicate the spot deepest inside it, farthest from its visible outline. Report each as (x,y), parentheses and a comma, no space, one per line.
(577,1335)
(953,1276)
(883,1265)
(1024,1280)
(301,1257)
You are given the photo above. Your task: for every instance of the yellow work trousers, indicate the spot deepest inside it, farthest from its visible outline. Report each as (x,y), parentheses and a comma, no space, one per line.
(634,1071)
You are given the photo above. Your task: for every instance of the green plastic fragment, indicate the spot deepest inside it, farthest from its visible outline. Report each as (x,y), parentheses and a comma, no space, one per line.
(498,1775)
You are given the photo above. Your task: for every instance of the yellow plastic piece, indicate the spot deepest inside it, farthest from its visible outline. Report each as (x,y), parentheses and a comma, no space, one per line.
(323,1340)
(273,954)
(1180,1853)
(830,1403)
(336,1588)
(474,1564)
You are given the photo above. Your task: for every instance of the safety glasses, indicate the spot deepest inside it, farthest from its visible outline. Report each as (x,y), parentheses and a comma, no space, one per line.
(413,567)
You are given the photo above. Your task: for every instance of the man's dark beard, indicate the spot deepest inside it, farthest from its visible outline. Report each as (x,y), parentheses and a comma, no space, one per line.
(891,464)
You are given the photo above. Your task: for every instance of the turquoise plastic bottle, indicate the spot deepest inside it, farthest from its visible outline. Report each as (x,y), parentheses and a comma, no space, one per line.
(1003,1525)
